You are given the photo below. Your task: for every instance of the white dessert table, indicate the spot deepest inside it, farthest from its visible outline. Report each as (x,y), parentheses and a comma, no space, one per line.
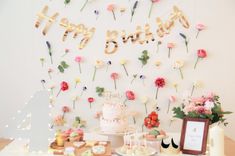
(18,148)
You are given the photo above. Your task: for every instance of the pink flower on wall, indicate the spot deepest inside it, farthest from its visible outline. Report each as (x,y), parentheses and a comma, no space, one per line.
(151,7)
(199,28)
(114,76)
(201,53)
(111,8)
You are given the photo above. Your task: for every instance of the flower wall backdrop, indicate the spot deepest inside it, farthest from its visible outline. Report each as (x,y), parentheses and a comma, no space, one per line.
(133,67)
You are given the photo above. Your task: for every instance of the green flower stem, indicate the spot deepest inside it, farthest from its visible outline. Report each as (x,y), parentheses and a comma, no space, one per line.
(192,90)
(115,84)
(169,52)
(84,5)
(58,93)
(181,74)
(176,89)
(80,69)
(125,69)
(145,106)
(150,10)
(49,75)
(197,33)
(114,16)
(168,107)
(156,93)
(94,74)
(134,120)
(51,57)
(73,104)
(157,48)
(186,45)
(195,65)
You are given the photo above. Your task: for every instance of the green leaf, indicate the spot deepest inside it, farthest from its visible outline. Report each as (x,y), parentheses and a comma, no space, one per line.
(178,113)
(64,64)
(183,36)
(61,69)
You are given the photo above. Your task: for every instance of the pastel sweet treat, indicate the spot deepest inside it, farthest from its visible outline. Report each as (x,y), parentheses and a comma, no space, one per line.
(98,149)
(79,144)
(87,153)
(91,143)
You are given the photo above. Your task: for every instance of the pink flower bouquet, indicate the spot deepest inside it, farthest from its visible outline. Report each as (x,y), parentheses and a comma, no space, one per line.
(206,107)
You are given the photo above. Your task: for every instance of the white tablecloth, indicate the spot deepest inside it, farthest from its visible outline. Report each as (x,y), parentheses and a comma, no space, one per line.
(18,148)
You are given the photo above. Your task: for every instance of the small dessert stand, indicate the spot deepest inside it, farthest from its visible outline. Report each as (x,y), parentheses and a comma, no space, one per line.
(116,139)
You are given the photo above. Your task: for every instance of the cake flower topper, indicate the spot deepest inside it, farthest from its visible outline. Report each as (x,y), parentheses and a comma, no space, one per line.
(133,9)
(63,87)
(84,88)
(109,63)
(186,40)
(111,8)
(90,100)
(66,51)
(79,59)
(130,95)
(159,83)
(65,109)
(42,60)
(199,28)
(114,76)
(77,81)
(172,99)
(134,77)
(98,64)
(49,50)
(123,62)
(96,12)
(158,44)
(144,58)
(144,100)
(201,53)
(196,84)
(100,91)
(170,46)
(151,120)
(151,7)
(179,65)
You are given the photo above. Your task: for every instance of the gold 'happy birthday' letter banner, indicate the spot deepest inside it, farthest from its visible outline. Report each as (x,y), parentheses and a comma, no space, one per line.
(80,29)
(138,37)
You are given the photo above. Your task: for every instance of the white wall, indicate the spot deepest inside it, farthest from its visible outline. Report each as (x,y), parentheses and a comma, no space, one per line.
(22,45)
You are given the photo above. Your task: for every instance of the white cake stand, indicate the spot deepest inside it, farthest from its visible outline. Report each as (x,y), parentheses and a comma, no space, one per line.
(116,139)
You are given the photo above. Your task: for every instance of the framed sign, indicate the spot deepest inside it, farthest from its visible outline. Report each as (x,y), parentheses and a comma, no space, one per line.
(194,136)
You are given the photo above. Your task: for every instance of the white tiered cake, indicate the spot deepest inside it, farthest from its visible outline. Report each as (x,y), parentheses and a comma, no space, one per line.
(113,119)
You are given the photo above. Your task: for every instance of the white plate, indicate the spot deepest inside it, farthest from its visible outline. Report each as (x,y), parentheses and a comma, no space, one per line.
(152,151)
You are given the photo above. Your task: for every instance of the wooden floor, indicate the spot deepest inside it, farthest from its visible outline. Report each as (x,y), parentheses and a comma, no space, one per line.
(229,145)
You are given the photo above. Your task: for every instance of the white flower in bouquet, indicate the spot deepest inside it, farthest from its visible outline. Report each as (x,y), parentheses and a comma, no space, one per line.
(209,104)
